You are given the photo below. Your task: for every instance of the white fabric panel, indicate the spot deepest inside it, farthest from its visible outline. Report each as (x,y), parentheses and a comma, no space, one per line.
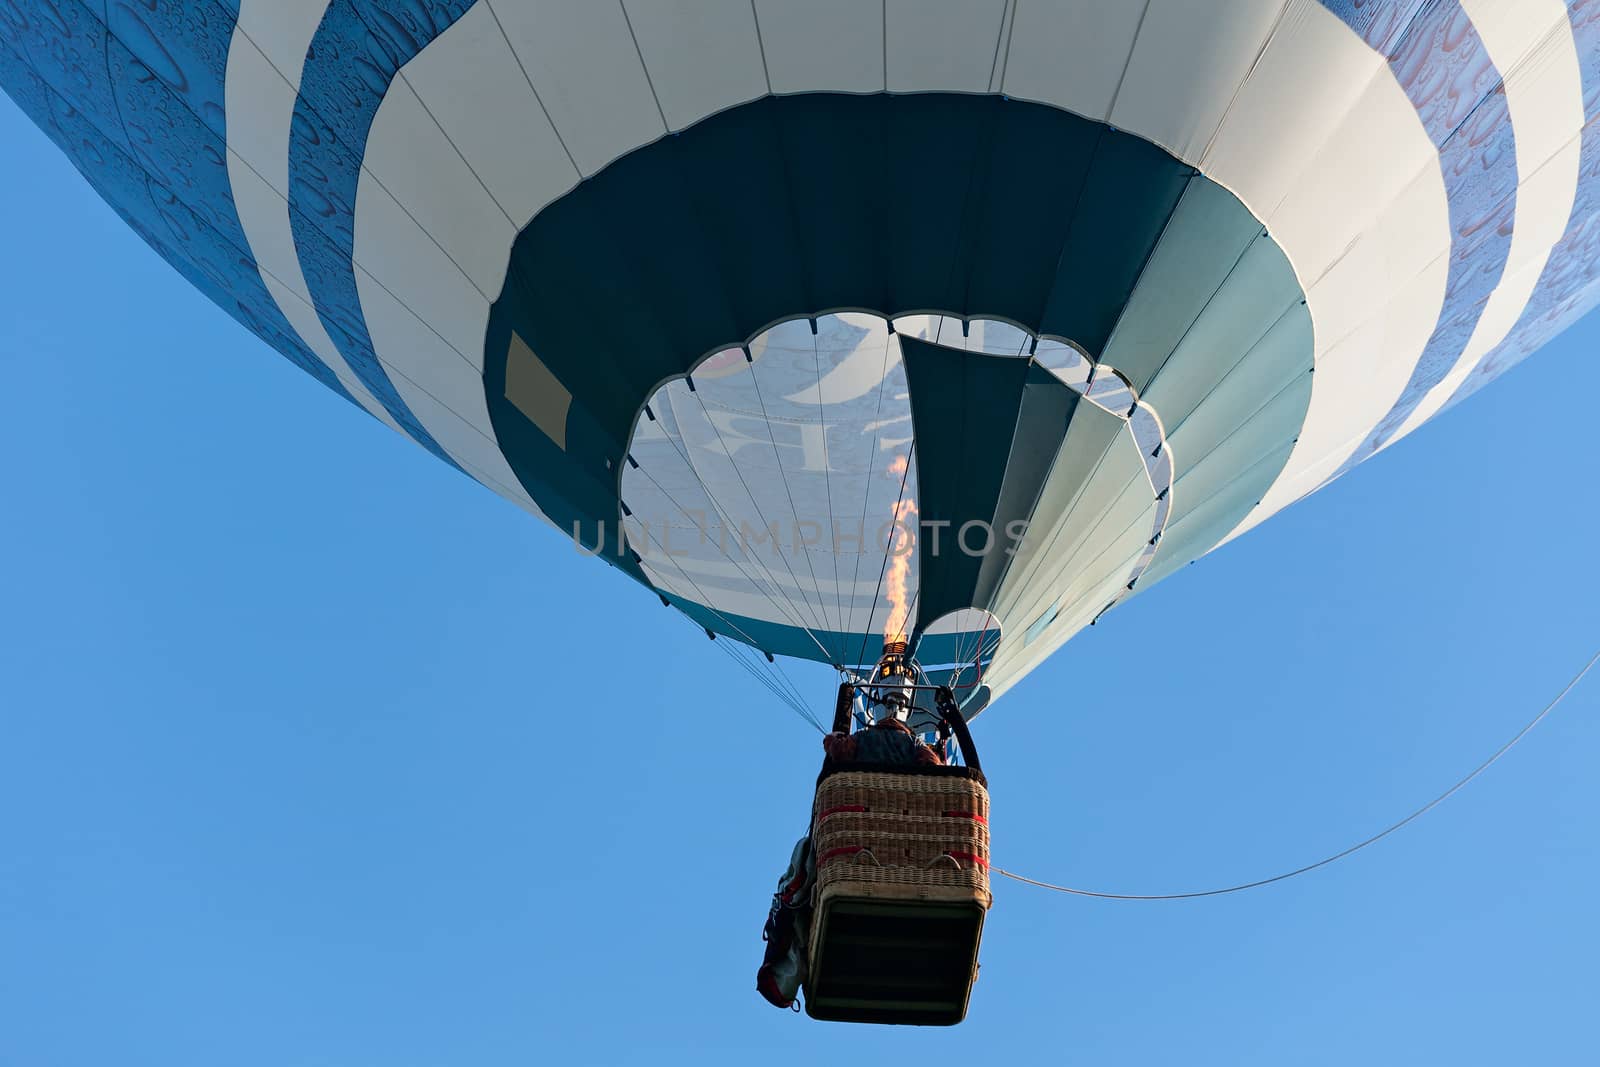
(260,108)
(1278,124)
(702,56)
(260,88)
(479,458)
(583,63)
(1360,378)
(1410,237)
(265,216)
(1070,53)
(1532,46)
(948,45)
(401,336)
(410,157)
(1355,384)
(442,389)
(425,293)
(396,252)
(470,81)
(281,30)
(822,45)
(1366,226)
(1188,62)
(1371,157)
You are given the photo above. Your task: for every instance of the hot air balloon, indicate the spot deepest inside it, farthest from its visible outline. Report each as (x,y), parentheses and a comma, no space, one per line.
(837,322)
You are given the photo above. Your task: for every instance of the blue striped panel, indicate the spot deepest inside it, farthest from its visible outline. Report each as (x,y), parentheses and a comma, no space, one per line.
(358,50)
(139,112)
(1567,287)
(1440,61)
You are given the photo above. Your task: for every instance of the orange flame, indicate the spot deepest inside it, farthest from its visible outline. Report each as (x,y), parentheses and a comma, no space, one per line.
(901,542)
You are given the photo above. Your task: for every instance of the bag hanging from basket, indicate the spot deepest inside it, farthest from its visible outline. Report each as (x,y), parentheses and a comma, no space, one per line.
(788,930)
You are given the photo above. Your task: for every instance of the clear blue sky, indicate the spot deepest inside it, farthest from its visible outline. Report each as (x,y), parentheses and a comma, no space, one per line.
(298,756)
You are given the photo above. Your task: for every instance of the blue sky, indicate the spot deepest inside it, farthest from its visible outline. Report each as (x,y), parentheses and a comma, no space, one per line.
(312,752)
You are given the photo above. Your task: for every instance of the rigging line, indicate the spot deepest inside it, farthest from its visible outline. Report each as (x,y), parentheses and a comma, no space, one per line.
(751,669)
(681,448)
(884,569)
(755,380)
(767,682)
(780,679)
(781,607)
(760,514)
(977,656)
(783,474)
(706,603)
(778,669)
(747,667)
(781,676)
(1358,846)
(827,482)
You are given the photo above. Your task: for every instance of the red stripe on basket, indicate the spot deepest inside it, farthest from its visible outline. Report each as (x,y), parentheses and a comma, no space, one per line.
(843,850)
(974,816)
(970,858)
(842,807)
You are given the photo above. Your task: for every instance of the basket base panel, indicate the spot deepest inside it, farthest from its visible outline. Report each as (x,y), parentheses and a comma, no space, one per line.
(893,961)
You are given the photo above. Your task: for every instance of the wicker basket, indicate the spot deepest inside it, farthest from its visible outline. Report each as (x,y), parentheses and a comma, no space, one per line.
(911,836)
(901,891)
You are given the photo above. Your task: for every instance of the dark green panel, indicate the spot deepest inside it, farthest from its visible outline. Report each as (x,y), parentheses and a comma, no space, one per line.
(836,211)
(1029,216)
(927,187)
(1131,191)
(963,408)
(1047,408)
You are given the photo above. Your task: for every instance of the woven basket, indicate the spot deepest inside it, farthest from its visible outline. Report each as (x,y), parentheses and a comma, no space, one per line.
(902,884)
(908,836)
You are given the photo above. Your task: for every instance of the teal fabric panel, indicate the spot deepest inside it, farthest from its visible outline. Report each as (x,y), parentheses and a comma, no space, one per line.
(1090,437)
(1280,358)
(1251,305)
(1206,470)
(1106,484)
(1197,254)
(1199,531)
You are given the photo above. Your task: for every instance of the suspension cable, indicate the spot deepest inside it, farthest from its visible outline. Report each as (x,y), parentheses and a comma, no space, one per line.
(1358,846)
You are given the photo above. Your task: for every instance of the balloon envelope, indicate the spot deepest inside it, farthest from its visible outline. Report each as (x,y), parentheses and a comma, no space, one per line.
(829,321)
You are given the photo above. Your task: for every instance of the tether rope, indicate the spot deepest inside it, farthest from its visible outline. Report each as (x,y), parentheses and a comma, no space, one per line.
(1374,839)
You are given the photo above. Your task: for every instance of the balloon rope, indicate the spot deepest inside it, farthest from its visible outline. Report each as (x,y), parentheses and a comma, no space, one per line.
(1374,839)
